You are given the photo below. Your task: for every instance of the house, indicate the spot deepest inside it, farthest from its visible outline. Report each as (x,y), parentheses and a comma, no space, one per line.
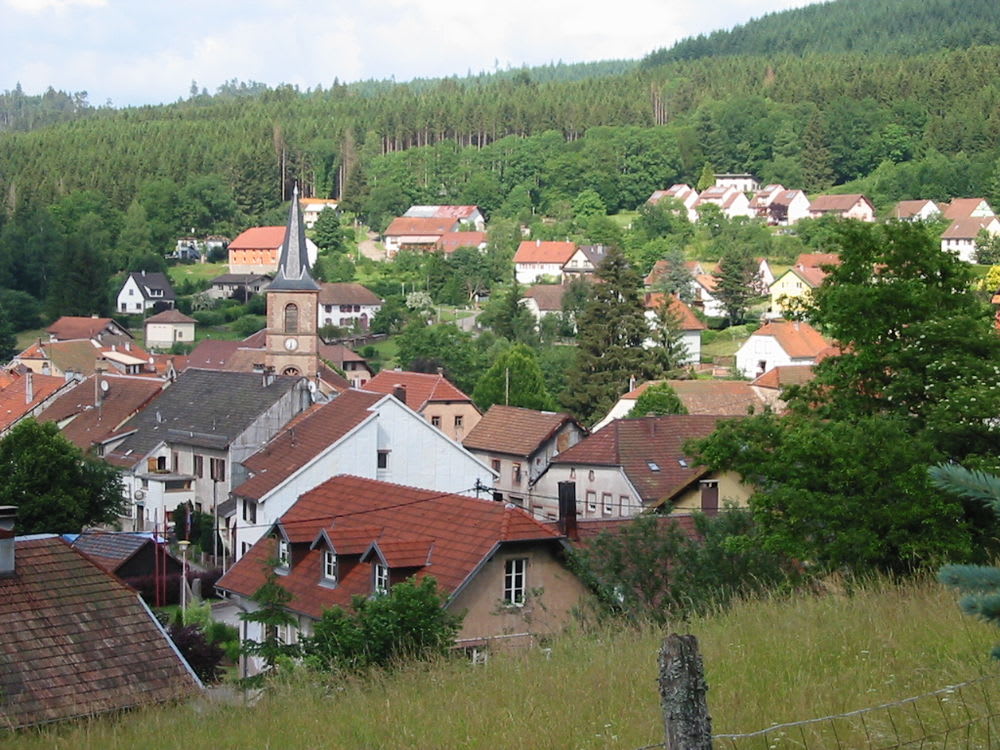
(662,266)
(703,296)
(449,242)
(354,367)
(967,208)
(76,641)
(780,207)
(544,299)
(347,305)
(687,322)
(353,536)
(313,207)
(238,286)
(635,465)
(467,217)
(772,383)
(959,238)
(684,194)
(144,291)
(90,412)
(916,210)
(778,343)
(538,259)
(584,261)
(366,434)
(188,443)
(257,250)
(518,444)
(25,394)
(733,398)
(420,234)
(745,183)
(790,290)
(130,556)
(72,328)
(167,328)
(81,357)
(433,397)
(729,199)
(851,206)
(765,276)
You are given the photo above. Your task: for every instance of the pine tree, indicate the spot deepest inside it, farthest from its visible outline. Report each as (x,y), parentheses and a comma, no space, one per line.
(611,331)
(707,178)
(677,279)
(271,599)
(669,352)
(734,283)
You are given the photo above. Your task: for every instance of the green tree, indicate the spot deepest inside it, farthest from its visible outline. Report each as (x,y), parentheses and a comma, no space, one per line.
(677,279)
(987,248)
(425,348)
(610,334)
(135,239)
(327,232)
(514,379)
(707,177)
(508,318)
(734,283)
(8,342)
(410,622)
(270,613)
(657,400)
(669,351)
(54,486)
(588,203)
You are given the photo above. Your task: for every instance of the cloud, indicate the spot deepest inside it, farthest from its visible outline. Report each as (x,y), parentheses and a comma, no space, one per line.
(40,6)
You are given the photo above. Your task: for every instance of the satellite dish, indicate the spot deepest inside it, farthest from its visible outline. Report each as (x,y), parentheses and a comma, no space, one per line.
(139,494)
(104,386)
(311,386)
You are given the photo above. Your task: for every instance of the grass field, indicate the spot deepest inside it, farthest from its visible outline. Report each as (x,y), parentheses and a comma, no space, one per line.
(771,661)
(196,271)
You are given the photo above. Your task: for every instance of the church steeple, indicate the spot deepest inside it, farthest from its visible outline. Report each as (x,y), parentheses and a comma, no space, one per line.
(293,266)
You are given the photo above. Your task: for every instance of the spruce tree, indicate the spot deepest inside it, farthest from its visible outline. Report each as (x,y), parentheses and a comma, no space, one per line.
(734,283)
(611,331)
(669,352)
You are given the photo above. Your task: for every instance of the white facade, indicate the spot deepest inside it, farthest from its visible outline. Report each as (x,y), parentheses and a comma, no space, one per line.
(530,273)
(762,353)
(690,339)
(165,335)
(346,316)
(131,299)
(745,183)
(601,492)
(415,454)
(705,300)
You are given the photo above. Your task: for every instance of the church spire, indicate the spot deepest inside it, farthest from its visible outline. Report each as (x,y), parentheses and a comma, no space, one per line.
(293,266)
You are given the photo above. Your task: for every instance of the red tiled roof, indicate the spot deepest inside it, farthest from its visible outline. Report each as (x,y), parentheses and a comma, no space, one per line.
(707,280)
(89,424)
(173,315)
(967,229)
(729,397)
(463,531)
(259,238)
(639,445)
(77,641)
(536,251)
(304,438)
(513,430)
(962,208)
(784,375)
(909,209)
(403,226)
(798,339)
(14,402)
(815,260)
(688,320)
(451,241)
(78,327)
(823,203)
(347,293)
(421,388)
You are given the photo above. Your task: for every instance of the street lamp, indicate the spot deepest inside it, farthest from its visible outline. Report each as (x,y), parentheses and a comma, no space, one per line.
(184,572)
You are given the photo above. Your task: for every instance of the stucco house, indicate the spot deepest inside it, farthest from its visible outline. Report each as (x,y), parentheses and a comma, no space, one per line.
(742,181)
(703,296)
(257,251)
(851,206)
(167,328)
(419,233)
(537,259)
(790,290)
(366,434)
(778,206)
(544,299)
(960,236)
(634,465)
(347,305)
(916,210)
(143,291)
(729,199)
(779,343)
(468,217)
(518,444)
(313,207)
(584,262)
(353,536)
(433,397)
(688,323)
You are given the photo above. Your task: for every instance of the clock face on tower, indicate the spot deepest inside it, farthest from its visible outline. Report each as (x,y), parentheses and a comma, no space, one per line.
(291,344)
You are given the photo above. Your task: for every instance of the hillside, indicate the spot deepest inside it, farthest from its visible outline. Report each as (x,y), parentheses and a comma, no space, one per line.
(882,27)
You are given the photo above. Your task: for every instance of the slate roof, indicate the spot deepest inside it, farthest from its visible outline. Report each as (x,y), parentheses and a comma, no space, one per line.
(14,401)
(687,319)
(304,438)
(203,407)
(537,251)
(82,327)
(455,532)
(110,549)
(77,642)
(639,445)
(798,339)
(293,265)
(347,293)
(89,423)
(515,431)
(148,280)
(421,388)
(546,296)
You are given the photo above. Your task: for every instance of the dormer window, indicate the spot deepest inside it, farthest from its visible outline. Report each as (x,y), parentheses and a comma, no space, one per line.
(380,584)
(329,567)
(283,556)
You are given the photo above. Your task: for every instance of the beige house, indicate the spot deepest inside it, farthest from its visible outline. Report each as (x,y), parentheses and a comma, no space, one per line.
(169,327)
(960,237)
(433,397)
(852,206)
(780,343)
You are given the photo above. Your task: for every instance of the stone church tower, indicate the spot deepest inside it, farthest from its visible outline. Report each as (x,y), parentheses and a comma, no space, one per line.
(292,300)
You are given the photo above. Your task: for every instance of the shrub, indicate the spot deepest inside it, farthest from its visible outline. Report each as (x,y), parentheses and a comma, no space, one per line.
(202,655)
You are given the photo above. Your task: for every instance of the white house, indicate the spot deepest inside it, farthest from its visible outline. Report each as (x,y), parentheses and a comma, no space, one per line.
(779,343)
(745,183)
(466,216)
(537,259)
(142,291)
(167,328)
(347,305)
(960,237)
(916,210)
(421,233)
(731,201)
(851,206)
(682,193)
(370,435)
(689,324)
(780,207)
(544,299)
(703,296)
(313,207)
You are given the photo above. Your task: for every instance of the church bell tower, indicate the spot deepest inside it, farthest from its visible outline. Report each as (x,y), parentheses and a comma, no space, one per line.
(292,301)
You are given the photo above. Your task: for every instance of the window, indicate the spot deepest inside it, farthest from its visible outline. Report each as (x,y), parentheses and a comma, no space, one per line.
(572,473)
(381,581)
(590,475)
(283,556)
(249,510)
(607,503)
(175,461)
(291,318)
(459,419)
(383,459)
(623,505)
(329,567)
(436,422)
(591,503)
(217,467)
(495,463)
(514,581)
(516,473)
(199,466)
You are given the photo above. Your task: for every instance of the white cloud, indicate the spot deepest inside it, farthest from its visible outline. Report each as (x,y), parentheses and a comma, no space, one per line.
(39,6)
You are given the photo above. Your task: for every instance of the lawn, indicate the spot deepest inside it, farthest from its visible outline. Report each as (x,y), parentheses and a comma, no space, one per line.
(196,271)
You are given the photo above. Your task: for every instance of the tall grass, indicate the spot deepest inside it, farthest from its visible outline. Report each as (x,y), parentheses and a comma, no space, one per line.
(768,661)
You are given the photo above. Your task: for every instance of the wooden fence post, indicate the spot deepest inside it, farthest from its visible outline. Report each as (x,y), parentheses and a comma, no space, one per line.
(686,723)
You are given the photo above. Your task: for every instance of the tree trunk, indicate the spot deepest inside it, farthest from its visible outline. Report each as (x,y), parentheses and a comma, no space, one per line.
(687,725)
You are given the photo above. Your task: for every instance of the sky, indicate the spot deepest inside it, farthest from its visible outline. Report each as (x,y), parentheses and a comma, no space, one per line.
(135,52)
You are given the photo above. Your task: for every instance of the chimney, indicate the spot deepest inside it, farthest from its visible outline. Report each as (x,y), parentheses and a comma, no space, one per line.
(8,514)
(29,387)
(399,391)
(538,243)
(567,510)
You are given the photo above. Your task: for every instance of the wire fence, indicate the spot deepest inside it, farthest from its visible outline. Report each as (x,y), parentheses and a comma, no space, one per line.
(965,715)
